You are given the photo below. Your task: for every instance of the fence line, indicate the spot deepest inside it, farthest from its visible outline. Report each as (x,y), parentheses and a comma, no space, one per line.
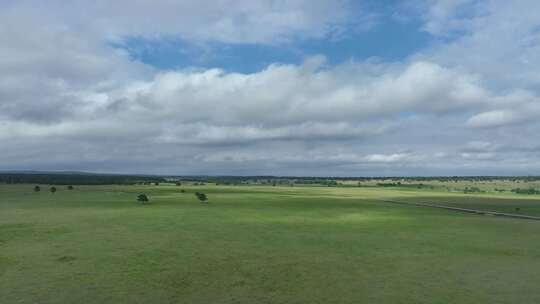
(482,212)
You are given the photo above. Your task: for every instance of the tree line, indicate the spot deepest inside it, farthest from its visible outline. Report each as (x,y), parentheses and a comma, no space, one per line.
(76,179)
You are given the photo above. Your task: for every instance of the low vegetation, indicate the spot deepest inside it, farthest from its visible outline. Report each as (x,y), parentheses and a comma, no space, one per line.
(526,191)
(201,196)
(142,198)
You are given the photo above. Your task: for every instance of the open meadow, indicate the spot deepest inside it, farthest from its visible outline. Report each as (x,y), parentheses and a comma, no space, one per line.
(264,244)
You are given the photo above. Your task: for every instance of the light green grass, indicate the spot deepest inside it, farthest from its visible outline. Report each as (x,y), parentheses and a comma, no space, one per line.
(259,245)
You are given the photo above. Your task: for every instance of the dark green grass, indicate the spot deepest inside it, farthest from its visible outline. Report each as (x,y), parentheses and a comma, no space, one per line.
(256,245)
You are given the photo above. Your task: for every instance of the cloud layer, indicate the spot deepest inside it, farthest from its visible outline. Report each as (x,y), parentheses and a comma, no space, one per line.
(71,100)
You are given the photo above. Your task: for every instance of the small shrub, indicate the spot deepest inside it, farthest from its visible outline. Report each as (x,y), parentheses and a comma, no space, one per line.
(142,198)
(70,187)
(53,189)
(201,196)
(37,188)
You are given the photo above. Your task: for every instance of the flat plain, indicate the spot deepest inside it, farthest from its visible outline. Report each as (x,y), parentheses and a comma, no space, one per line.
(264,244)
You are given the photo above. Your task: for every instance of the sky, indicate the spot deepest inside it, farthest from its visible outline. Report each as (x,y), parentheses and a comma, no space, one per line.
(298,87)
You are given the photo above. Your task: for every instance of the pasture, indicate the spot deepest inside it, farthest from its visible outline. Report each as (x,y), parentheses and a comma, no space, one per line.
(264,244)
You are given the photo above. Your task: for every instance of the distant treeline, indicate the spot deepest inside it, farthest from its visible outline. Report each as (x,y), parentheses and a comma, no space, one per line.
(412,182)
(399,184)
(75,179)
(81,178)
(319,180)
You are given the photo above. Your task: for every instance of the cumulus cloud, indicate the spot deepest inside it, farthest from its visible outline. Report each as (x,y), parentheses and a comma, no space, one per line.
(446,17)
(387,158)
(497,39)
(229,21)
(493,119)
(279,102)
(285,94)
(479,156)
(507,110)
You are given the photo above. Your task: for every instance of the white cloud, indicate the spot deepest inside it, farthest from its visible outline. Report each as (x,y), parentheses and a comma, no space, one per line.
(479,156)
(291,94)
(497,39)
(229,21)
(445,17)
(387,158)
(493,119)
(279,102)
(507,110)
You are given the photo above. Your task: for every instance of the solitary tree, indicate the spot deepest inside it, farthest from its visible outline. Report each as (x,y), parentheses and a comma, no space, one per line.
(142,198)
(201,196)
(178,183)
(53,189)
(70,187)
(37,188)
(182,190)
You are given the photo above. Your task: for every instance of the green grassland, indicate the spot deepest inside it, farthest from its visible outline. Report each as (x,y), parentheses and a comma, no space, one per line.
(264,244)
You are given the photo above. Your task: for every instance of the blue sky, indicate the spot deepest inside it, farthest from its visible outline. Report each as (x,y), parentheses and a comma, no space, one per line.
(388,37)
(299,87)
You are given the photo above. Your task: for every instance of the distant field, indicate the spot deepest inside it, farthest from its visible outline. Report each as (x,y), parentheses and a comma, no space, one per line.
(458,185)
(264,244)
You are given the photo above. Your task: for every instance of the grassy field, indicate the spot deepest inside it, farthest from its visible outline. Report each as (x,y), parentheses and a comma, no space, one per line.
(251,244)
